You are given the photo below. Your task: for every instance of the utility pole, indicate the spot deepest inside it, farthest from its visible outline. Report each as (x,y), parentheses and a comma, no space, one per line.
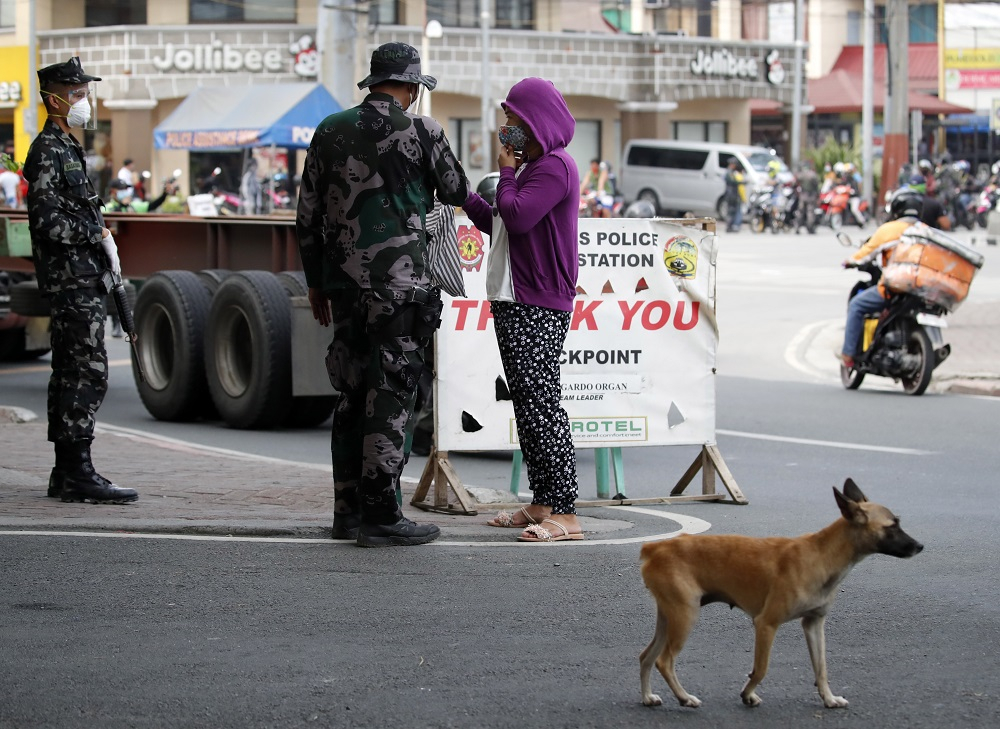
(336,39)
(487,114)
(868,102)
(800,42)
(29,115)
(897,117)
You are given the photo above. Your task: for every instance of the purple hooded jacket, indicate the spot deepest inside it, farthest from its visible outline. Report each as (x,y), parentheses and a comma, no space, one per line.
(541,207)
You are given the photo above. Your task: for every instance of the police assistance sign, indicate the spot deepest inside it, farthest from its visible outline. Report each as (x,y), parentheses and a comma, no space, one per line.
(638,366)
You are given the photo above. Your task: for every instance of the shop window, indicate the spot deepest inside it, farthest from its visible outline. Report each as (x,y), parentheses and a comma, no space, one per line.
(698,131)
(586,144)
(470,150)
(252,11)
(115,12)
(454,13)
(515,14)
(7,13)
(922,24)
(384,12)
(853,27)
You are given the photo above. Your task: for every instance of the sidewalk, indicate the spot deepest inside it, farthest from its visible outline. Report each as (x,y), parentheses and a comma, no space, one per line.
(185,489)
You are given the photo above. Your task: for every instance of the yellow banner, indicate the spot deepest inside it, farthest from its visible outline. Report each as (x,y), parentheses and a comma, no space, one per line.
(972,58)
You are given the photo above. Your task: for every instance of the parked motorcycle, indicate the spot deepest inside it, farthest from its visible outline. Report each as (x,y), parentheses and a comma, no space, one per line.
(905,341)
(784,207)
(759,206)
(842,205)
(985,202)
(593,205)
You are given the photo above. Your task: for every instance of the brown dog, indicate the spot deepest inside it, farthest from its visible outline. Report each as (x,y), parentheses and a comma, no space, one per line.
(773,580)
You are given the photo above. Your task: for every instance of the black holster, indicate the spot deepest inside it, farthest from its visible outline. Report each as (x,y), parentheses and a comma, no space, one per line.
(417,316)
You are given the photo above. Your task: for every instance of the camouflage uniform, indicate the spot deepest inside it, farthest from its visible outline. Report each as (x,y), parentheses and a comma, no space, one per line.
(65,221)
(370,177)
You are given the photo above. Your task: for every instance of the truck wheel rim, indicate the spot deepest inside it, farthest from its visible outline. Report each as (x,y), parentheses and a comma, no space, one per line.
(156,347)
(234,351)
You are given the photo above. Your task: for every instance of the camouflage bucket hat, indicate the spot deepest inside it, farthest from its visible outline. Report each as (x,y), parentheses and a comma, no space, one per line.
(396,62)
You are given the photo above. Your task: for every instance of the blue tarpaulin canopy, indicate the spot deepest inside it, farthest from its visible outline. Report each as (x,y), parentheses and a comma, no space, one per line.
(228,117)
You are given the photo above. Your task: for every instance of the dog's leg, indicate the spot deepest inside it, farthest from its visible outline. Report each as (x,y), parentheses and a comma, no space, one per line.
(813,625)
(765,632)
(648,657)
(679,626)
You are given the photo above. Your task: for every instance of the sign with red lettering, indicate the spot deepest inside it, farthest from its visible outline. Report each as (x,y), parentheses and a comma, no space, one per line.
(638,366)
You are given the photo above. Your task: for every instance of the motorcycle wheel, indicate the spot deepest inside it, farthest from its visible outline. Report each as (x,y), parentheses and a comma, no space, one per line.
(851,377)
(920,344)
(757,224)
(981,219)
(836,221)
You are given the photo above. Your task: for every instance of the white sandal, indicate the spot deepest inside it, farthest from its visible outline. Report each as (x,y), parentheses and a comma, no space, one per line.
(506,520)
(541,534)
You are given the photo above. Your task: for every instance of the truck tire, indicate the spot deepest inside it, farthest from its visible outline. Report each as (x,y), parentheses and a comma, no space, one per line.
(213,277)
(294,282)
(27,300)
(13,347)
(248,356)
(307,411)
(170,315)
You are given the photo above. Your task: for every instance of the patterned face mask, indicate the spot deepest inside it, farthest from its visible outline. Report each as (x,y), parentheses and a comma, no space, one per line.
(513,136)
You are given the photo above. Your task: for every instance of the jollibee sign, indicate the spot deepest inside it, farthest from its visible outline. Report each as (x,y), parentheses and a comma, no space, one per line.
(638,364)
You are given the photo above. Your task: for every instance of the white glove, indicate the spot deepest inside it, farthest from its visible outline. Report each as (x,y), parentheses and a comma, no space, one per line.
(111,251)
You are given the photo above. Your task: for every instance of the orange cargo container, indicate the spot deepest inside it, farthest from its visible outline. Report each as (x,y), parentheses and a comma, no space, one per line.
(938,275)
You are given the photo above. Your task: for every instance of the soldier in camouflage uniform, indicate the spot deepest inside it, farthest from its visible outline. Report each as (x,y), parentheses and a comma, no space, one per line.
(370,178)
(72,249)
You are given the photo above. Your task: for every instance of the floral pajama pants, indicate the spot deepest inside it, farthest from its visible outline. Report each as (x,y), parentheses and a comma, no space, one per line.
(531,339)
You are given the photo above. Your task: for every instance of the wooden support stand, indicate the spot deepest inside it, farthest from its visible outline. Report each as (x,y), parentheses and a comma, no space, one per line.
(440,473)
(710,463)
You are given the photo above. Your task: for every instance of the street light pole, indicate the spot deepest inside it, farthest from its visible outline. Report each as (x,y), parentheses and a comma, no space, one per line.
(867,101)
(797,84)
(432,29)
(486,107)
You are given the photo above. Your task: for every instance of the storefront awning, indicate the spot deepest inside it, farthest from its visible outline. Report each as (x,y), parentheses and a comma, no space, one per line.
(840,92)
(228,117)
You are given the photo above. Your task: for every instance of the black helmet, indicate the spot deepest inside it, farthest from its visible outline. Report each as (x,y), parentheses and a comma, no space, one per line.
(906,202)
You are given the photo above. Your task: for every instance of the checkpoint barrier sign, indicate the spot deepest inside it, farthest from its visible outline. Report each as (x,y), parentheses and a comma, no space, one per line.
(638,367)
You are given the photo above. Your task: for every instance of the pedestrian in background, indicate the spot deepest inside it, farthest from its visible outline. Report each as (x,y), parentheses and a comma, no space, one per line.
(127,173)
(251,191)
(370,178)
(736,195)
(531,280)
(72,250)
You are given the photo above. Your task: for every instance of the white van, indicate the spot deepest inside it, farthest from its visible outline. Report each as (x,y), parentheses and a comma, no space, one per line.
(680,177)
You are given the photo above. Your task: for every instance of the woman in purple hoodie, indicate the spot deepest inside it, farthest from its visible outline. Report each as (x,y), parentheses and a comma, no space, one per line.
(530,283)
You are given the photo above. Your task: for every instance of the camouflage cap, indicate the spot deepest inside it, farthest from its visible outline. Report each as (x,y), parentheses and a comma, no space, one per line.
(69,73)
(396,62)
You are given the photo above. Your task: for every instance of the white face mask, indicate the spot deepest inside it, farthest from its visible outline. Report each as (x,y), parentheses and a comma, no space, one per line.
(79,113)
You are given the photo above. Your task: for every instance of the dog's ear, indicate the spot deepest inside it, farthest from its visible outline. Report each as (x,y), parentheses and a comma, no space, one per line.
(849,507)
(852,491)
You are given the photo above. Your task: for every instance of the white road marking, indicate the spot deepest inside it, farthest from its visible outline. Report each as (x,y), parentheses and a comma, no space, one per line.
(689,525)
(826,443)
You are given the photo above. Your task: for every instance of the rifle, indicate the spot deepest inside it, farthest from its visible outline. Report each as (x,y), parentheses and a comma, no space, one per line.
(116,288)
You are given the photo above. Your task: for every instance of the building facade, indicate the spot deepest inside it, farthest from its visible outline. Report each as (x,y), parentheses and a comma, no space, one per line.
(659,80)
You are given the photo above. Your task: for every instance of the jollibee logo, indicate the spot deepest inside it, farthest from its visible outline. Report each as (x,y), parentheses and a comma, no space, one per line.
(775,71)
(306,56)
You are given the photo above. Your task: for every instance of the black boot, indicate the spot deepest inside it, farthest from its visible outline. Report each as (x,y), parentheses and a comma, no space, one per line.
(56,479)
(81,482)
(403,533)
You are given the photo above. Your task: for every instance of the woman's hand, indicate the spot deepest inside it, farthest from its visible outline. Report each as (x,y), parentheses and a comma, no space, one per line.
(507,158)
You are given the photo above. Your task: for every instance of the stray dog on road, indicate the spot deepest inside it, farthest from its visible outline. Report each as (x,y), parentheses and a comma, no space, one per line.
(773,580)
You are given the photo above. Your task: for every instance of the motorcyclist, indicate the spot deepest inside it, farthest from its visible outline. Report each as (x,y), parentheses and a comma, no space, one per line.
(927,170)
(599,183)
(808,195)
(933,213)
(123,198)
(905,208)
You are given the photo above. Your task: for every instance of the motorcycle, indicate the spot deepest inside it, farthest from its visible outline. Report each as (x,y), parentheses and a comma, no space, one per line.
(784,208)
(905,340)
(841,204)
(593,205)
(759,208)
(986,201)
